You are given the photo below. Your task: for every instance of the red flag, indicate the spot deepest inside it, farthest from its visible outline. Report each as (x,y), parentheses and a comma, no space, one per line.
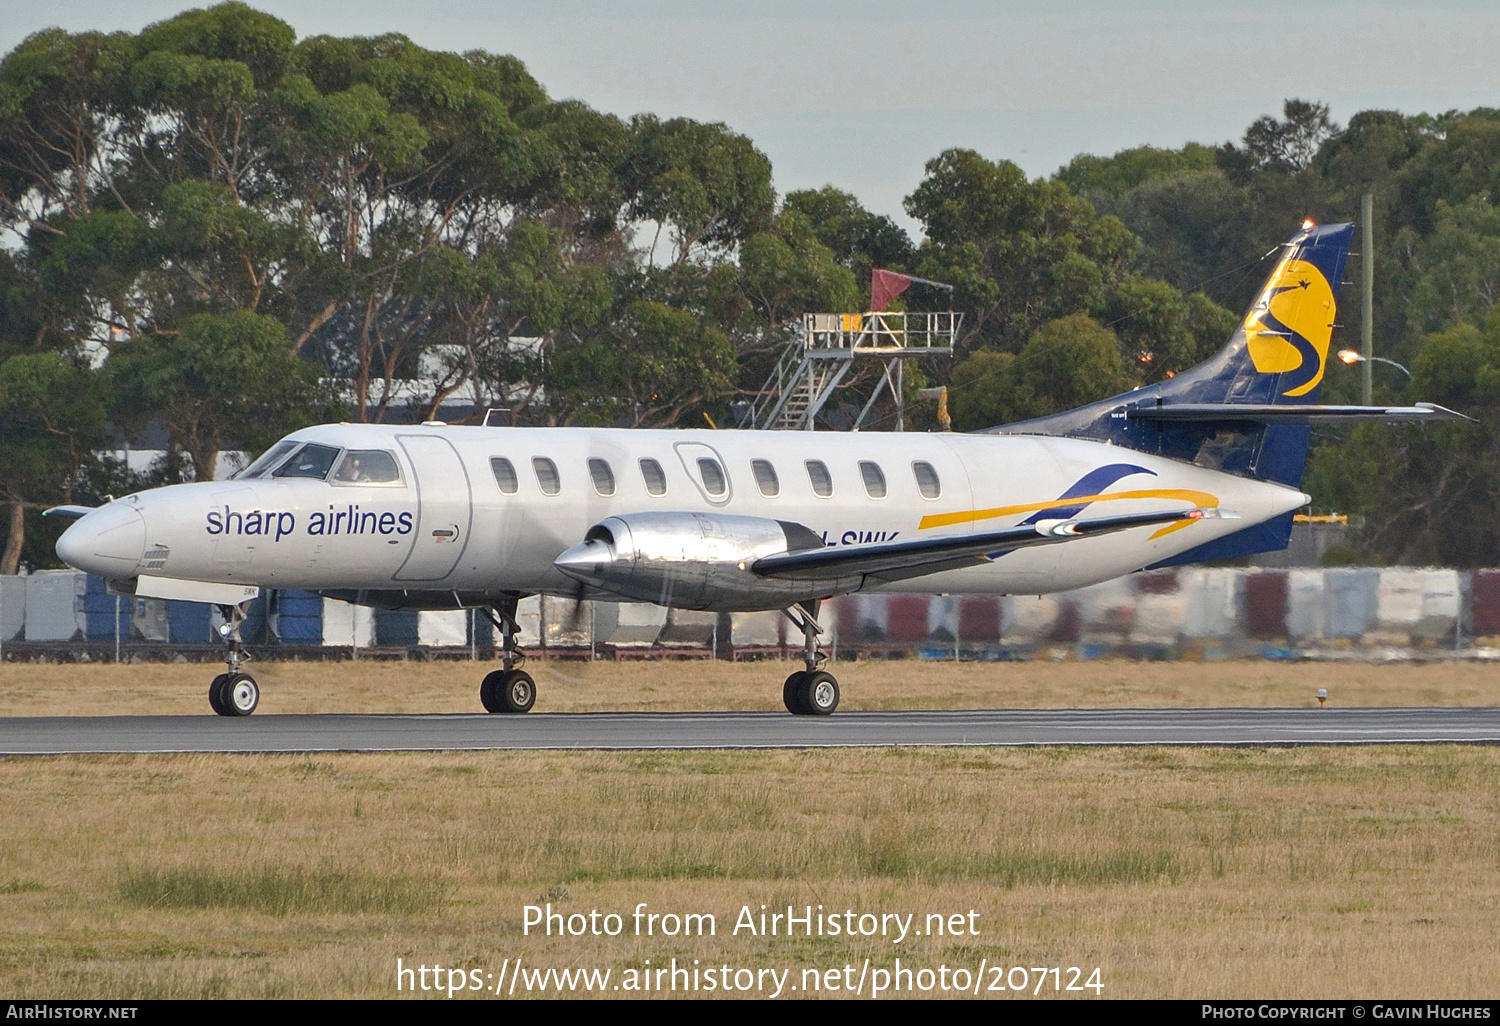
(886,286)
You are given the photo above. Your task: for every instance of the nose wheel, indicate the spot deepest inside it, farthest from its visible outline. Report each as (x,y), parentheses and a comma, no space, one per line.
(509,690)
(810,692)
(234,693)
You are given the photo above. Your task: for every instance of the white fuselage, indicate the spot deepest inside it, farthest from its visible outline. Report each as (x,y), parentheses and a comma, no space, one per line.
(447,525)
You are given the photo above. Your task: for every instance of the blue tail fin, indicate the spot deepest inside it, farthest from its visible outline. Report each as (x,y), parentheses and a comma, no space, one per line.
(1276,357)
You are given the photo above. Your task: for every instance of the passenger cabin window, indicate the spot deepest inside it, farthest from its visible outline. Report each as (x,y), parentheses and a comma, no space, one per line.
(874,479)
(367,467)
(765,478)
(505,474)
(546,475)
(603,477)
(312,460)
(822,483)
(713,476)
(268,459)
(927,479)
(655,478)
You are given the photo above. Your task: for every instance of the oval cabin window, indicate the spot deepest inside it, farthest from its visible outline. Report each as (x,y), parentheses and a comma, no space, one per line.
(602,476)
(927,479)
(655,478)
(765,478)
(546,475)
(505,475)
(874,479)
(822,481)
(713,476)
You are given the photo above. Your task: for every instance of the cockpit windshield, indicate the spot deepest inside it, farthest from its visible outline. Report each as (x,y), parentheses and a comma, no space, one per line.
(312,460)
(267,460)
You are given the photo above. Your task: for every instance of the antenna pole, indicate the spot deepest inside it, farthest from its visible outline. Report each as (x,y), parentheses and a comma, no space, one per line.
(1367,308)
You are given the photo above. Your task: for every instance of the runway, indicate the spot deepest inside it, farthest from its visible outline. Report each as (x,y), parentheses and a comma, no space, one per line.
(55,735)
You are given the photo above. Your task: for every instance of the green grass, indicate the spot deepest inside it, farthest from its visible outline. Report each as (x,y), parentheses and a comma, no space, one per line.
(1123,866)
(15,886)
(280,891)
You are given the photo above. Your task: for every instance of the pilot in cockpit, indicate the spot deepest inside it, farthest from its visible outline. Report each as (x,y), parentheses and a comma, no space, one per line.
(350,471)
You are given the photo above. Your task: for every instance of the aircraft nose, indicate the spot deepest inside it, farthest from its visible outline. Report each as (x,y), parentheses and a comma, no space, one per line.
(108,542)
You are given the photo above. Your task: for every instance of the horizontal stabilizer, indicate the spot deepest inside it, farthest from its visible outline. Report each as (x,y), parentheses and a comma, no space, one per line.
(896,561)
(1261,413)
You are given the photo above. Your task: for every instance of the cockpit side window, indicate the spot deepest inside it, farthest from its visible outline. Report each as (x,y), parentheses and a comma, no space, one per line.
(267,460)
(312,460)
(367,467)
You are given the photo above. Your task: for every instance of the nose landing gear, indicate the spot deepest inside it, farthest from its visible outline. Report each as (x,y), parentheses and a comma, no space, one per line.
(810,692)
(234,693)
(509,690)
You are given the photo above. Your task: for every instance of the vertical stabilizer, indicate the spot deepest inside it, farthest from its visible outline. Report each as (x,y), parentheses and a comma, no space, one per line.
(1277,356)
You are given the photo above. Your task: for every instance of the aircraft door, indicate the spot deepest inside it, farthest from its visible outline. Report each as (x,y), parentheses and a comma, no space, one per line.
(444,508)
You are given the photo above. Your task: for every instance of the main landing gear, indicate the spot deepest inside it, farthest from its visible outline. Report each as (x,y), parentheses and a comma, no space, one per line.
(510,690)
(810,692)
(234,693)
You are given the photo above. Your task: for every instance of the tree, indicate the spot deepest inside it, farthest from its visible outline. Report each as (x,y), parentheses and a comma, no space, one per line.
(788,271)
(1019,253)
(51,420)
(858,239)
(1067,362)
(1428,493)
(221,379)
(709,188)
(1284,147)
(1105,178)
(1457,266)
(648,368)
(1196,231)
(1163,331)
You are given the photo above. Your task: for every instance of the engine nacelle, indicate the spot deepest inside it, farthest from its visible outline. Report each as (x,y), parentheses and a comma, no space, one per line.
(689,560)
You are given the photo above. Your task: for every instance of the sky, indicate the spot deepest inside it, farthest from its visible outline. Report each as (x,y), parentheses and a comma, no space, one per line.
(862,93)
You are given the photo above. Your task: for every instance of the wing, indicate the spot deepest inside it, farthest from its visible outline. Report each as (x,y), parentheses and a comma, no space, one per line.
(899,561)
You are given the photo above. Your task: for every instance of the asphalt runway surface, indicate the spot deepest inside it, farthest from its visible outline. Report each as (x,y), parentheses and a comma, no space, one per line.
(51,735)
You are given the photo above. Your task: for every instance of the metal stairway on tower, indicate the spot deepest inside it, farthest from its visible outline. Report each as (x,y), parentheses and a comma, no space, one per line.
(824,352)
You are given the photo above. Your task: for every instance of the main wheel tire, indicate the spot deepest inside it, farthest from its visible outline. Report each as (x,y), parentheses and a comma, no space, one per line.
(791,694)
(507,691)
(819,694)
(239,694)
(216,695)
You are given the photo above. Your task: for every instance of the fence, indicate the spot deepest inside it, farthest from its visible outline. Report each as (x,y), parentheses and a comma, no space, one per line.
(1356,613)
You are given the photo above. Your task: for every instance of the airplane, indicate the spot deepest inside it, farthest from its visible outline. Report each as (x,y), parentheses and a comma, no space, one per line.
(1204,465)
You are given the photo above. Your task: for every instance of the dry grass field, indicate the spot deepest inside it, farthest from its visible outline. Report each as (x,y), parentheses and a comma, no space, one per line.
(51,689)
(1179,873)
(1311,872)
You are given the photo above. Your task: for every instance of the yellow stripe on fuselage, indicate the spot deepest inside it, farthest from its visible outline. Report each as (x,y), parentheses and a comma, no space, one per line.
(1202,500)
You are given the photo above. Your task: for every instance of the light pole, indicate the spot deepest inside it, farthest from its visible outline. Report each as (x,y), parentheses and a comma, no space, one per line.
(1351,357)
